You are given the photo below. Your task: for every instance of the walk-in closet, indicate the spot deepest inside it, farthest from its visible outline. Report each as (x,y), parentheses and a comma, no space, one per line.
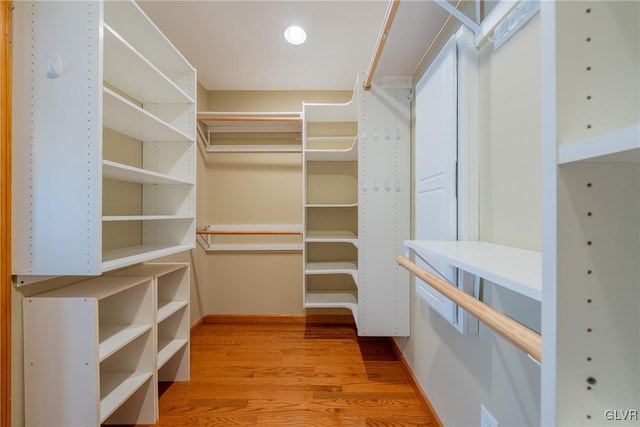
(413,213)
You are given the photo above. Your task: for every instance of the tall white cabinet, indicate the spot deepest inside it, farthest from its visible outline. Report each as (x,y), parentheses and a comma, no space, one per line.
(357,197)
(104,129)
(591,213)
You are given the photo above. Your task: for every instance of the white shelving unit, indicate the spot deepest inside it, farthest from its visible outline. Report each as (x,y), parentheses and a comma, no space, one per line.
(330,150)
(357,197)
(89,353)
(171,285)
(517,269)
(96,125)
(591,213)
(225,123)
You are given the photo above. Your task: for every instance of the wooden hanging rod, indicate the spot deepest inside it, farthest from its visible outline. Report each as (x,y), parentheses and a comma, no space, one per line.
(524,338)
(228,232)
(382,39)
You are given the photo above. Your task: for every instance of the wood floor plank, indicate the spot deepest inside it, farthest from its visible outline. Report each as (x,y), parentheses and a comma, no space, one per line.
(293,375)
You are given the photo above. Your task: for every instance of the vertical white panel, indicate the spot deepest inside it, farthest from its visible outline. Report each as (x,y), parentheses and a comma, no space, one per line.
(57,121)
(61,361)
(435,166)
(384,200)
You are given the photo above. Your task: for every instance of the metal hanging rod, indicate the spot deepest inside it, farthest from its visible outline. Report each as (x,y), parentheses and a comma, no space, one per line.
(522,337)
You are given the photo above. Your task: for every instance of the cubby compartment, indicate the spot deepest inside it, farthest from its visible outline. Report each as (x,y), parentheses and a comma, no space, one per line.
(172,316)
(332,183)
(89,350)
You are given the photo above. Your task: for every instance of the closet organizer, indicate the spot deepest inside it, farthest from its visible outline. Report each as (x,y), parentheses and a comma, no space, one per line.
(104,154)
(356,206)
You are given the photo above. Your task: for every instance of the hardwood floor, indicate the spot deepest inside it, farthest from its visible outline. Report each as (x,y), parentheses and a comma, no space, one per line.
(295,375)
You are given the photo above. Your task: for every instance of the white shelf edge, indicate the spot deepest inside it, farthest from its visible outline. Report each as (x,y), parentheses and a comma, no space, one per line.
(124,257)
(517,269)
(618,145)
(266,247)
(121,172)
(331,205)
(167,308)
(113,218)
(167,348)
(119,336)
(138,123)
(99,287)
(331,112)
(333,154)
(128,383)
(284,148)
(337,267)
(337,237)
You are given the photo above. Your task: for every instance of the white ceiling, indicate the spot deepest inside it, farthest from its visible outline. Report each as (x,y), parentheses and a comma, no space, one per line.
(238,45)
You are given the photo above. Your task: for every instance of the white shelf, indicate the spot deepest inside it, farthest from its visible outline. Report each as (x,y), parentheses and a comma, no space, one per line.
(100,287)
(114,337)
(167,348)
(332,205)
(121,172)
(620,145)
(110,218)
(125,117)
(284,148)
(123,257)
(332,237)
(140,79)
(121,386)
(517,269)
(167,308)
(338,267)
(337,112)
(131,23)
(333,154)
(250,247)
(333,299)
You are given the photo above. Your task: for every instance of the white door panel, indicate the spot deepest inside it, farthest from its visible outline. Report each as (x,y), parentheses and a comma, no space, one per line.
(435,167)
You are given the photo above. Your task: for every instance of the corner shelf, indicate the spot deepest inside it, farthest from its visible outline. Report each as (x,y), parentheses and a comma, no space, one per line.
(331,237)
(517,269)
(333,299)
(332,205)
(331,153)
(338,267)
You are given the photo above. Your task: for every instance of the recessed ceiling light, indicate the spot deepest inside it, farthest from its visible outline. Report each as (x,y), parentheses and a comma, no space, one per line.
(295,35)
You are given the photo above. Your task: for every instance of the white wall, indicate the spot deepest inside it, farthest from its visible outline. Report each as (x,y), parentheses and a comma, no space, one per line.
(460,372)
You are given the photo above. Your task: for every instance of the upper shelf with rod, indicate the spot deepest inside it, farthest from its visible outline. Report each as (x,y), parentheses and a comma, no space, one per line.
(251,123)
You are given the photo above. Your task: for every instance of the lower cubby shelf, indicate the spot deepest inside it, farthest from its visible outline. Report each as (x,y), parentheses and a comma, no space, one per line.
(95,350)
